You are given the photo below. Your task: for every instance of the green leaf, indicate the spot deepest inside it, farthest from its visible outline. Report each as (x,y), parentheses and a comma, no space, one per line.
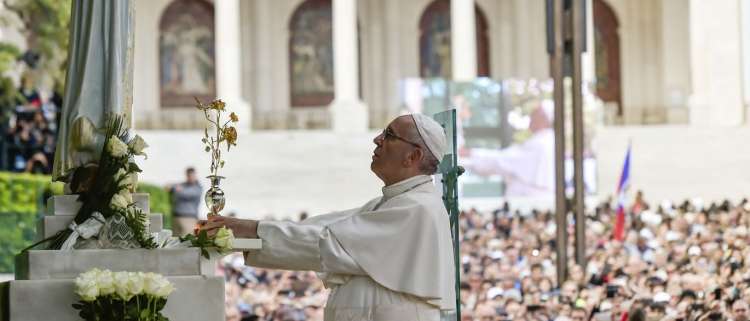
(204,253)
(133,168)
(203,237)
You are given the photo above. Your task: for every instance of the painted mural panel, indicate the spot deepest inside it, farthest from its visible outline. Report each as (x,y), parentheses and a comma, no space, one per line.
(435,41)
(311,54)
(186,53)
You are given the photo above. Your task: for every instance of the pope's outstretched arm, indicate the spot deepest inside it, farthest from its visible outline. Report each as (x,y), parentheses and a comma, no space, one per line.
(308,245)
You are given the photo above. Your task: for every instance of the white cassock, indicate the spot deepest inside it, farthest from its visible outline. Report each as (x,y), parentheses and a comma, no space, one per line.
(391,259)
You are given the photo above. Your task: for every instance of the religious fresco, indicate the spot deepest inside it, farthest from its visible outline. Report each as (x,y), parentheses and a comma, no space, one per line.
(186,53)
(311,54)
(435,41)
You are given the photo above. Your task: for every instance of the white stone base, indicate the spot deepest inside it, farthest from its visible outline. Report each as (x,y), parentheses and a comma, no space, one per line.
(195,298)
(49,225)
(55,264)
(69,205)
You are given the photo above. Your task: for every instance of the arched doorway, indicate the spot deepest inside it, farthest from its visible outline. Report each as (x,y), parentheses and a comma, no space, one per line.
(435,41)
(186,53)
(607,52)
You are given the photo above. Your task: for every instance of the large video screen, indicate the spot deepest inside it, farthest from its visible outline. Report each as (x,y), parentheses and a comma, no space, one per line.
(505,135)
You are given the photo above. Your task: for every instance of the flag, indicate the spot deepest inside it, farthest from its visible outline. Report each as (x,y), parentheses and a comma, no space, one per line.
(619,231)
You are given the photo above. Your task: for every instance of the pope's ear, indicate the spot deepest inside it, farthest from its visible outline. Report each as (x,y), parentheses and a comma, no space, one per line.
(417,155)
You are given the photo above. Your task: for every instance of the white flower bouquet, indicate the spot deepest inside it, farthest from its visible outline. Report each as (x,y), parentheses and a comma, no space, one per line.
(105,190)
(121,296)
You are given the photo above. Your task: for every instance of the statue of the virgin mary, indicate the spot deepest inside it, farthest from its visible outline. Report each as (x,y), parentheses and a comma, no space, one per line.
(98,80)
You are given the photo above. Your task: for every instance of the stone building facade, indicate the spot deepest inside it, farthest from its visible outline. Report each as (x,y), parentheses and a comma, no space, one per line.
(275,61)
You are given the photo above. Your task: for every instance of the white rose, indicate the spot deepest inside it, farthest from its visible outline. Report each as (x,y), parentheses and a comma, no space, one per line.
(105,282)
(126,195)
(157,285)
(150,283)
(224,239)
(131,181)
(165,288)
(135,283)
(86,287)
(121,173)
(88,292)
(137,145)
(116,147)
(118,201)
(121,285)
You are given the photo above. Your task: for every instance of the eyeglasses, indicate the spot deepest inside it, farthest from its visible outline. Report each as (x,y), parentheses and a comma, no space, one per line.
(388,134)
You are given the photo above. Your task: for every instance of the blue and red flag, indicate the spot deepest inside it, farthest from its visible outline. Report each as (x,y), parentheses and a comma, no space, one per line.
(619,231)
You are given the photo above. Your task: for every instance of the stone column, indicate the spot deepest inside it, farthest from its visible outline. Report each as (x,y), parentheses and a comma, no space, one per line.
(746,54)
(348,112)
(675,66)
(715,63)
(588,58)
(463,40)
(228,62)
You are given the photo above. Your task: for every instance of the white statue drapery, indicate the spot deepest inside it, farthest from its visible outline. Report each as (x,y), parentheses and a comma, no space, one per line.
(99,75)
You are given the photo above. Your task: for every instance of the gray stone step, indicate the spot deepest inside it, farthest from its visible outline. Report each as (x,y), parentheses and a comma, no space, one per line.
(195,298)
(55,264)
(69,205)
(50,224)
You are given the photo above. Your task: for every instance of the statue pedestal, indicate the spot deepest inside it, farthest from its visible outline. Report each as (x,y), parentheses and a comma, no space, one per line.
(43,289)
(50,265)
(196,298)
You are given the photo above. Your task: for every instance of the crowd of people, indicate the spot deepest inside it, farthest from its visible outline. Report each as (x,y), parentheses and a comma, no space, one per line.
(680,262)
(263,294)
(30,131)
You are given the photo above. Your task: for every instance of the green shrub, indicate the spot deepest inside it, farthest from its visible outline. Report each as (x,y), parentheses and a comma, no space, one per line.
(22,203)
(160,202)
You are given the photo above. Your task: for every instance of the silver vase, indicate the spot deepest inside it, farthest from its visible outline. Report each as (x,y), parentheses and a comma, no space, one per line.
(215,196)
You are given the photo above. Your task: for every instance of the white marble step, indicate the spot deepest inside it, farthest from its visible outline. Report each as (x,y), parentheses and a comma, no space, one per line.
(50,224)
(55,264)
(69,205)
(195,298)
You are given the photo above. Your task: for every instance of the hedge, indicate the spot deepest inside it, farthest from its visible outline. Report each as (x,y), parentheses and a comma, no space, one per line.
(22,203)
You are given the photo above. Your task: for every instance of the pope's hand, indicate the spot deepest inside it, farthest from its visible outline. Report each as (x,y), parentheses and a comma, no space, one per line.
(241,228)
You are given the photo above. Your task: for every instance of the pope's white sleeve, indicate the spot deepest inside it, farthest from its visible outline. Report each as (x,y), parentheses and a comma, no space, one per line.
(287,246)
(294,246)
(334,258)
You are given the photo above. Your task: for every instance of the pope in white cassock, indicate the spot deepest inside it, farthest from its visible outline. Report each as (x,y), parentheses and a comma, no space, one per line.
(391,259)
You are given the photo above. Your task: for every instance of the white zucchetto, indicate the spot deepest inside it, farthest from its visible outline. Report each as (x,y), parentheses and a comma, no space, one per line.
(432,134)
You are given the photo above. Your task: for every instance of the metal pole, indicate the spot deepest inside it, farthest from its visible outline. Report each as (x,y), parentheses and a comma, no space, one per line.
(558,21)
(579,19)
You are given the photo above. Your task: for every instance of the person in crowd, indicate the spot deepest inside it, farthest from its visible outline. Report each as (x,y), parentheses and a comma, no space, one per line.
(186,199)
